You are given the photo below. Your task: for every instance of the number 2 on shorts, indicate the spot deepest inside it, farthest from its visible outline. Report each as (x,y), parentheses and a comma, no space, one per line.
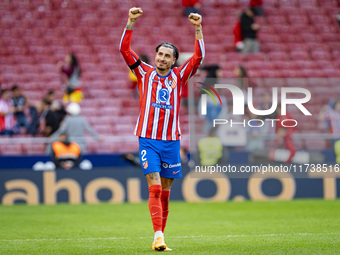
(143,153)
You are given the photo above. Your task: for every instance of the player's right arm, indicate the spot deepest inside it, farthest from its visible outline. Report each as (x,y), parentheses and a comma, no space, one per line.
(130,57)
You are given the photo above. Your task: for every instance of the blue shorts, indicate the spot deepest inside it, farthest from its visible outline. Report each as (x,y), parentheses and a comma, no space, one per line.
(160,156)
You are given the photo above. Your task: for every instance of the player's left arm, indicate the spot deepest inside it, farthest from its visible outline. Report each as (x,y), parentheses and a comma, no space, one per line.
(191,65)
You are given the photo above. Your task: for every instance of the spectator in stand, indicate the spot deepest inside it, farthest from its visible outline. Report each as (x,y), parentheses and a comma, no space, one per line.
(249,31)
(71,71)
(20,102)
(49,119)
(255,134)
(34,124)
(214,111)
(257,5)
(56,105)
(266,103)
(191,6)
(243,80)
(213,73)
(75,125)
(7,120)
(330,115)
(211,150)
(284,135)
(238,39)
(65,154)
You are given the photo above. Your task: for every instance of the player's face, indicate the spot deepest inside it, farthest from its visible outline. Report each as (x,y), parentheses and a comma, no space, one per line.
(164,58)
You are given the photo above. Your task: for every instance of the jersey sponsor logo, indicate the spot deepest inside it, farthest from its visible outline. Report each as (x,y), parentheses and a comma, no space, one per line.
(175,165)
(162,106)
(176,172)
(163,95)
(165,165)
(145,164)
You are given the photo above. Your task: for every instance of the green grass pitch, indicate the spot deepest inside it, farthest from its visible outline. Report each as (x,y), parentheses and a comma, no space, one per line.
(280,227)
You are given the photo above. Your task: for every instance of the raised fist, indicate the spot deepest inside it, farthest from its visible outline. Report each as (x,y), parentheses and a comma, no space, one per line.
(195,19)
(135,13)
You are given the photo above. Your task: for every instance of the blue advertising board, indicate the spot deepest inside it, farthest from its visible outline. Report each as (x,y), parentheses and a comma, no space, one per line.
(127,184)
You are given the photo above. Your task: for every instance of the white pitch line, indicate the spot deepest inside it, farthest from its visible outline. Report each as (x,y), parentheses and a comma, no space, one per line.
(173,237)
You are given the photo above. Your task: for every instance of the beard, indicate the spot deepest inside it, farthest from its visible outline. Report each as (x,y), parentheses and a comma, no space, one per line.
(161,68)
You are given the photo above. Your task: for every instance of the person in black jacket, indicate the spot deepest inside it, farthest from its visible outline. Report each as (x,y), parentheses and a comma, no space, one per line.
(249,31)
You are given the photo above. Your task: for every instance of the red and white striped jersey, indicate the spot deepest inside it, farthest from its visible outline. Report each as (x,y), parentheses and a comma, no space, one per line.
(160,96)
(334,120)
(7,120)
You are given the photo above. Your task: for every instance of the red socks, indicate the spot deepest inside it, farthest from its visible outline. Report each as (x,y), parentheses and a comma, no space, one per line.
(165,206)
(155,206)
(158,206)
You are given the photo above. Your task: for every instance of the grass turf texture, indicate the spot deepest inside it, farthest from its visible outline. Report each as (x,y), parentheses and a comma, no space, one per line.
(282,227)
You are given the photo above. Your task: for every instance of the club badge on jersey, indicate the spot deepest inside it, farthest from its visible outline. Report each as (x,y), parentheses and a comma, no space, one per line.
(145,164)
(173,83)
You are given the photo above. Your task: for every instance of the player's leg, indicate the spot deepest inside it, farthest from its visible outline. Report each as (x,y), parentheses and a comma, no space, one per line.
(150,162)
(155,208)
(166,188)
(170,169)
(155,204)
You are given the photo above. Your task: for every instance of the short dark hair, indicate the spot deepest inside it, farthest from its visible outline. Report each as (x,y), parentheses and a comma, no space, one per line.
(171,46)
(3,91)
(14,87)
(254,10)
(244,71)
(50,92)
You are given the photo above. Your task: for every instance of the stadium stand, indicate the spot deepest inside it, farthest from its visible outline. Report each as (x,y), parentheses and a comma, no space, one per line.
(298,38)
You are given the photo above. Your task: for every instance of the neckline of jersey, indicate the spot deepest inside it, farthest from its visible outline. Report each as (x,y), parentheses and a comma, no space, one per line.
(164,75)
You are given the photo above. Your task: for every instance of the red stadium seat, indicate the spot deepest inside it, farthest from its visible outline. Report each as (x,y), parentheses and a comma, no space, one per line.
(271,74)
(286,73)
(284,65)
(332,73)
(254,65)
(11,149)
(297,82)
(291,38)
(319,82)
(298,20)
(302,46)
(273,47)
(319,19)
(307,3)
(274,82)
(311,37)
(316,144)
(272,38)
(34,149)
(330,37)
(288,4)
(276,19)
(299,55)
(321,55)
(306,64)
(278,56)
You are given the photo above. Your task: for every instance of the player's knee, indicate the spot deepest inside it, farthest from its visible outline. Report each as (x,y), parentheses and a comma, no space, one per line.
(167,183)
(155,191)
